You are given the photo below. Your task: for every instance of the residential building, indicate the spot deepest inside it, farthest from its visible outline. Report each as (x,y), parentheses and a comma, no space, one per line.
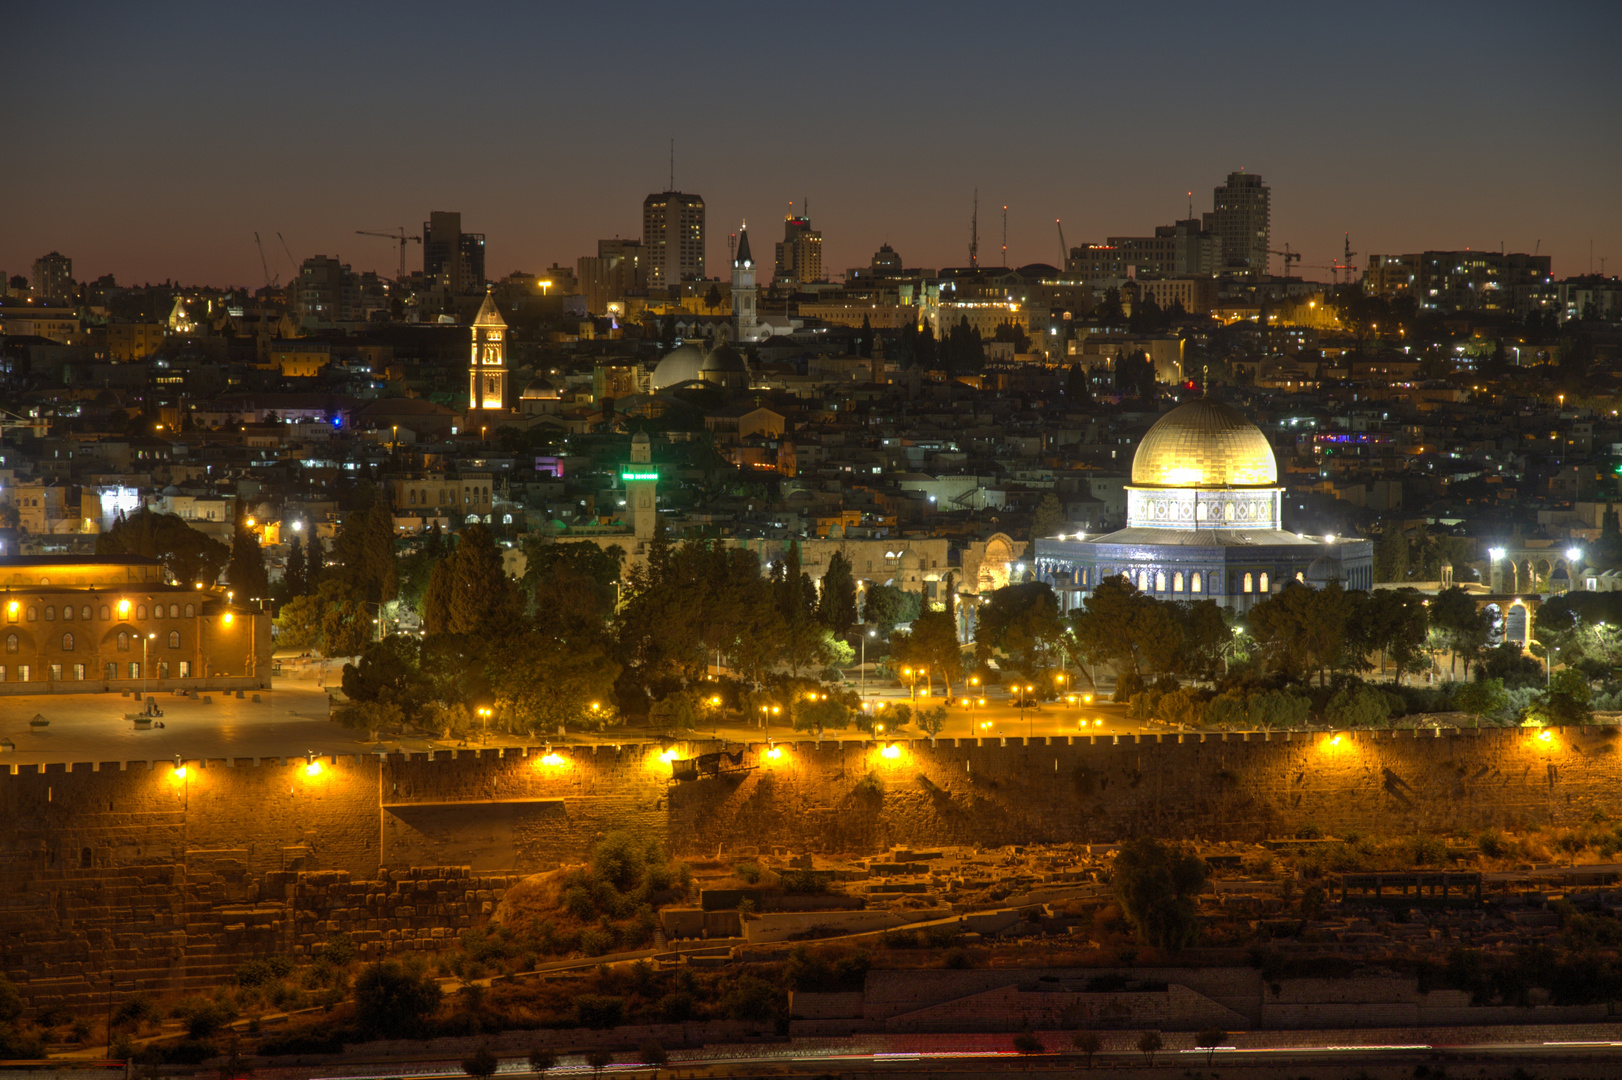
(799,254)
(1240,222)
(53,277)
(672,238)
(452,260)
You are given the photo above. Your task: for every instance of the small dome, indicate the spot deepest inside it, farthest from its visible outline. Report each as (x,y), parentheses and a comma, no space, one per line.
(1323,570)
(681,364)
(540,389)
(1204,444)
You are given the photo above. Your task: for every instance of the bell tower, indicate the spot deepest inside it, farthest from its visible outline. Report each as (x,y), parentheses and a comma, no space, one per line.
(487,368)
(743,289)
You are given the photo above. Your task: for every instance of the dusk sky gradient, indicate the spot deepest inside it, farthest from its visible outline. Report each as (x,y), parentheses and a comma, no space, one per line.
(151,141)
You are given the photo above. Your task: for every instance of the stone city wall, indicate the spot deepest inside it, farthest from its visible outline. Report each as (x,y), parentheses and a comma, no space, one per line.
(138,867)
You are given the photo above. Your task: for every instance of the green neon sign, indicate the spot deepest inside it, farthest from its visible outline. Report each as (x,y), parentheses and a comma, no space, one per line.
(639,476)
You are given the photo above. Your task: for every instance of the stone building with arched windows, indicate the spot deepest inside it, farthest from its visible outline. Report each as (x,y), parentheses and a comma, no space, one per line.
(78,625)
(1203,522)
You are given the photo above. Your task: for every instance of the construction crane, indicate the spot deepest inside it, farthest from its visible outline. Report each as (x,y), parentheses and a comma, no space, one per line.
(1346,259)
(1289,257)
(398,236)
(270,282)
(292,262)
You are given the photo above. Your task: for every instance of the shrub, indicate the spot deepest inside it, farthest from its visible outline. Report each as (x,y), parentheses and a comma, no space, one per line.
(599,1010)
(1027,1043)
(11,1002)
(1155,886)
(1358,707)
(392,1001)
(481,1065)
(753,999)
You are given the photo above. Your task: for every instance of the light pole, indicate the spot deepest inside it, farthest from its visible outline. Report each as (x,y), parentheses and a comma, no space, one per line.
(1024,698)
(870,633)
(144,640)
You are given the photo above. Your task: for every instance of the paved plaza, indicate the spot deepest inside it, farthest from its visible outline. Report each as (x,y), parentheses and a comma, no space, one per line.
(291,720)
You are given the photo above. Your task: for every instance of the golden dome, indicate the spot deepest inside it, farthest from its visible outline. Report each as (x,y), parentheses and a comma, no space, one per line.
(1204,443)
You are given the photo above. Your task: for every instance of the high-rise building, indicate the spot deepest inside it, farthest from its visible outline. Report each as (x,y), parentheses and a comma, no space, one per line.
(743,288)
(53,277)
(672,238)
(799,256)
(487,368)
(1239,218)
(616,270)
(1461,280)
(325,291)
(452,259)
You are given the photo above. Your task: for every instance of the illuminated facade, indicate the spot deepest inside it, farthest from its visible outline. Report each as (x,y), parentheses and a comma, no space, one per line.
(672,238)
(111,622)
(487,368)
(1203,522)
(641,487)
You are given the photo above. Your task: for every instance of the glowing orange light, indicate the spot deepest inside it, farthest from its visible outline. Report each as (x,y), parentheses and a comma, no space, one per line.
(180,772)
(313,769)
(552,759)
(891,751)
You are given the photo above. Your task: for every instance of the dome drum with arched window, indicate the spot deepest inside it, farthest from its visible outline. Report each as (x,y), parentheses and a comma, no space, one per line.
(1204,521)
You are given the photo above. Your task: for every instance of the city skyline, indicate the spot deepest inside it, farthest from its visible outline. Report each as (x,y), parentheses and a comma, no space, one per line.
(172,180)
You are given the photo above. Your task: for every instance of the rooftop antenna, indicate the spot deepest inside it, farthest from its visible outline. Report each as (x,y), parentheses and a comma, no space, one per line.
(1191,206)
(672,186)
(1005,234)
(1064,255)
(974,232)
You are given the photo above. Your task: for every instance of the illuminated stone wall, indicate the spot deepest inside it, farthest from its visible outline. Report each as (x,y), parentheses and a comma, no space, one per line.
(174,879)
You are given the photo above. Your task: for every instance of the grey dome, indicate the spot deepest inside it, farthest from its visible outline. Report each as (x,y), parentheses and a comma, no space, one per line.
(681,364)
(1324,570)
(725,358)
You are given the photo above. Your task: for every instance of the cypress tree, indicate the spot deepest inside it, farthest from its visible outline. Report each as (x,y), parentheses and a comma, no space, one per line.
(436,599)
(377,552)
(246,571)
(296,577)
(315,563)
(481,596)
(837,607)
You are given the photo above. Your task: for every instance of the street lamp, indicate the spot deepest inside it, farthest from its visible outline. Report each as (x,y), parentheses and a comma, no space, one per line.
(870,633)
(1024,699)
(484,721)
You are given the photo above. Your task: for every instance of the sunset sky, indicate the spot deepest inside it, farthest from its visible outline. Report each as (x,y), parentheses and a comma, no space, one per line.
(151,141)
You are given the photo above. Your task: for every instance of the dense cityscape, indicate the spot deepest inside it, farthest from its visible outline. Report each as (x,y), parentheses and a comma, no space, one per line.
(1193,648)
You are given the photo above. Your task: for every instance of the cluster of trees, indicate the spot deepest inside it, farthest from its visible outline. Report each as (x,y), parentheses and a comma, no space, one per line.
(189,555)
(962,349)
(330,605)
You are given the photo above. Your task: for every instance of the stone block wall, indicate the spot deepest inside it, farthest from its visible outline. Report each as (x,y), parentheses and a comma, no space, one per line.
(243,856)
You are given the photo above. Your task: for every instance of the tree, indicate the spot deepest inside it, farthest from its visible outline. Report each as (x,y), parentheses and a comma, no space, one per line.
(393,1002)
(246,572)
(930,721)
(1302,629)
(654,1054)
(599,1060)
(1462,627)
(886,606)
(481,1065)
(1480,697)
(1049,517)
(934,642)
(542,1060)
(296,577)
(190,556)
(864,340)
(1026,1044)
(315,558)
(1088,1043)
(1077,386)
(298,624)
(1021,622)
(1150,1044)
(436,600)
(836,608)
(377,543)
(1155,886)
(481,597)
(1208,1041)
(712,299)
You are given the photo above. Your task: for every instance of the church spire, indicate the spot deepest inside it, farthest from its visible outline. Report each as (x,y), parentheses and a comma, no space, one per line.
(743,257)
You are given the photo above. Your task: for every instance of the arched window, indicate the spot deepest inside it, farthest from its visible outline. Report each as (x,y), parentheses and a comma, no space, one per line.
(1249,583)
(157,611)
(1143,581)
(67,612)
(1177,582)
(11,643)
(1160,581)
(123,641)
(84,613)
(190,611)
(140,611)
(174,611)
(50,613)
(1194,582)
(413,501)
(67,642)
(174,639)
(33,613)
(1300,577)
(1264,582)
(106,613)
